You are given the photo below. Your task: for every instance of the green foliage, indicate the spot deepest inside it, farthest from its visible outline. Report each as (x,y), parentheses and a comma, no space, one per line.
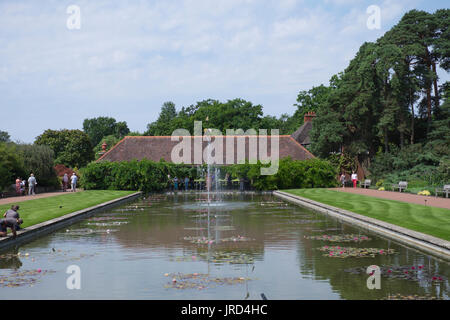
(149,176)
(97,128)
(39,160)
(110,140)
(11,165)
(4,136)
(233,114)
(71,147)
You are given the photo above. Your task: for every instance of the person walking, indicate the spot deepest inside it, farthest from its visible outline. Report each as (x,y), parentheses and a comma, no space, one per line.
(32,185)
(354,179)
(74,180)
(65,182)
(342,178)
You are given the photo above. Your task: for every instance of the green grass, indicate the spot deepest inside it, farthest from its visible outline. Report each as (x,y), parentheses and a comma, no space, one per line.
(430,220)
(40,210)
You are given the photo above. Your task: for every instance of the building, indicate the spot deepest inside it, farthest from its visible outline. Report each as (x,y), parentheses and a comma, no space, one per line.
(302,134)
(156,148)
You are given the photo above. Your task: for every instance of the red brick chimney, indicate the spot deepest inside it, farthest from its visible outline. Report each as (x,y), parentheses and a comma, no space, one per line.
(309,116)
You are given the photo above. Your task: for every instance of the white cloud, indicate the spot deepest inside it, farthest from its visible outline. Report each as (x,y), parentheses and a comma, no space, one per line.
(133,55)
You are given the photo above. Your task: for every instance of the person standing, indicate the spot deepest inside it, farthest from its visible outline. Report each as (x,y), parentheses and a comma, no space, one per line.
(175,183)
(186,184)
(22,187)
(343,179)
(65,182)
(32,185)
(354,179)
(18,183)
(74,180)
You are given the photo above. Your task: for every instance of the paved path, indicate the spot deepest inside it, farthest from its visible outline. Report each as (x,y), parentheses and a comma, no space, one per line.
(26,198)
(405,197)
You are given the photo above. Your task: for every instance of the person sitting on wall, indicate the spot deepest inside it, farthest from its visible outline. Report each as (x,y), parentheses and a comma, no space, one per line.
(9,223)
(13,214)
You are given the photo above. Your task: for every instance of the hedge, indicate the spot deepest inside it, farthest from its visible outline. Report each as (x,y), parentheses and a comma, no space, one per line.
(148,176)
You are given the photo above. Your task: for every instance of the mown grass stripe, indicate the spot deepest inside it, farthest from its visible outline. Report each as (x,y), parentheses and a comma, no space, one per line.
(426,219)
(44,209)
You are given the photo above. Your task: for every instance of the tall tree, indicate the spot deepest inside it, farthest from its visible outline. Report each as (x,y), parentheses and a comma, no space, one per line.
(97,128)
(4,136)
(72,148)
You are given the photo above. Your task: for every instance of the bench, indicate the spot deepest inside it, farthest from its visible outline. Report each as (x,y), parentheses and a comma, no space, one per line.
(402,185)
(366,183)
(445,190)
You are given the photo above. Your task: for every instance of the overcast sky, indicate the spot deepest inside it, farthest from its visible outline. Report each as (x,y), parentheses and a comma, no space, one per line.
(128,57)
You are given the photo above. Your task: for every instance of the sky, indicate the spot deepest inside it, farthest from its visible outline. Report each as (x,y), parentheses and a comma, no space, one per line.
(128,57)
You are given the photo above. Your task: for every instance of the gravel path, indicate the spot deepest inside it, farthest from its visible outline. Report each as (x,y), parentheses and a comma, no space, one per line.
(405,197)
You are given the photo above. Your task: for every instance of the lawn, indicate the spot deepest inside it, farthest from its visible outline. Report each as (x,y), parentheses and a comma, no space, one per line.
(430,220)
(40,210)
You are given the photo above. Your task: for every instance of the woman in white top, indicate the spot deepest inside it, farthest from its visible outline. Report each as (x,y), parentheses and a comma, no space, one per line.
(354,179)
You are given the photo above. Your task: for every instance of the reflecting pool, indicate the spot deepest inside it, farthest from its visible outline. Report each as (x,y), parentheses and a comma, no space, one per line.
(239,246)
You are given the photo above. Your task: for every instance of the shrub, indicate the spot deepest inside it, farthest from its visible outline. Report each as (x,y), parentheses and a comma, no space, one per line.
(149,176)
(11,165)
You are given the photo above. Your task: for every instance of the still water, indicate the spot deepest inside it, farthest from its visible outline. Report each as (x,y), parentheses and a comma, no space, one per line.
(238,247)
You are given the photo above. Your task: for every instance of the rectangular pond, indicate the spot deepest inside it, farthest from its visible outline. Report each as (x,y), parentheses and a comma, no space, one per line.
(168,246)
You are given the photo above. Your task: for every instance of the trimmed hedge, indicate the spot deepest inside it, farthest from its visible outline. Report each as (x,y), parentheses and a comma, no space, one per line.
(147,176)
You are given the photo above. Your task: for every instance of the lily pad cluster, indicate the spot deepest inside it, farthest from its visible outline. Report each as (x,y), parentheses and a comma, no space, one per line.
(340,238)
(22,278)
(352,252)
(412,273)
(200,281)
(106,218)
(87,231)
(218,257)
(205,240)
(107,224)
(399,296)
(302,221)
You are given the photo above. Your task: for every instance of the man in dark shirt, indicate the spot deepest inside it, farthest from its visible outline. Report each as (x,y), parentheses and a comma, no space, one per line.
(12,213)
(9,223)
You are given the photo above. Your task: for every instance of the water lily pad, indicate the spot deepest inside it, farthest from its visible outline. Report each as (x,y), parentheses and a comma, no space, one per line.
(351,252)
(412,273)
(200,281)
(340,238)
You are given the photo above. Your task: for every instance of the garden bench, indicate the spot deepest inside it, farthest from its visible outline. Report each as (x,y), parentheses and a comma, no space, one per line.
(402,185)
(445,189)
(366,183)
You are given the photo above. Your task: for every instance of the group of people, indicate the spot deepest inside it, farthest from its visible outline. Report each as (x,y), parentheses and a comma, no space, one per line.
(176,183)
(73,182)
(12,220)
(21,185)
(354,178)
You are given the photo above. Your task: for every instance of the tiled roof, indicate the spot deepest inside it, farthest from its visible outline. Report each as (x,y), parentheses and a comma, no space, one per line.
(302,134)
(160,147)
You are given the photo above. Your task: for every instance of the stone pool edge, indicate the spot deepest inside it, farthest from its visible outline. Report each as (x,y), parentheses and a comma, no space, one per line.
(416,239)
(46,227)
